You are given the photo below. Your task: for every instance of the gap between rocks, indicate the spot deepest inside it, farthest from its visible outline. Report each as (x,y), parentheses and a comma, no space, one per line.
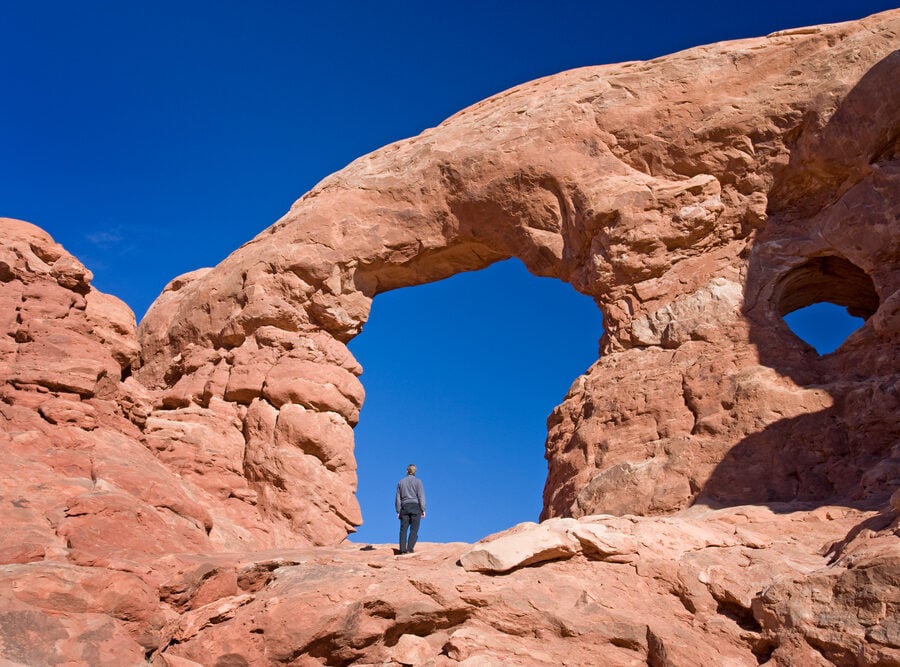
(460,376)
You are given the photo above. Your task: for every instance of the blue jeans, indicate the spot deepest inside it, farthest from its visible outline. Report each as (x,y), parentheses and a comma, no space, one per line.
(410,515)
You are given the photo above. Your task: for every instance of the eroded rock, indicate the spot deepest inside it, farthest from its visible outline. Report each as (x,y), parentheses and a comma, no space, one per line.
(717,493)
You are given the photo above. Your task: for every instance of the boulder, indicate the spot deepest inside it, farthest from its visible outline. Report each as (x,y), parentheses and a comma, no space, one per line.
(525,544)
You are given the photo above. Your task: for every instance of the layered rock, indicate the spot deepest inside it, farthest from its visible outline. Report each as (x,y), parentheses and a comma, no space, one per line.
(738,586)
(697,198)
(90,453)
(163,486)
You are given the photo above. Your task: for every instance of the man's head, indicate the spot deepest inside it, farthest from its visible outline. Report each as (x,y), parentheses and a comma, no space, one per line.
(410,469)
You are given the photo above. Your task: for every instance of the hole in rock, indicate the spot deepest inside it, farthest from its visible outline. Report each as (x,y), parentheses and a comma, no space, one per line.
(824,300)
(824,326)
(460,376)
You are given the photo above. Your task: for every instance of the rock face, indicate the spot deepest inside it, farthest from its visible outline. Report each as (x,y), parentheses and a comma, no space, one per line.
(717,493)
(697,198)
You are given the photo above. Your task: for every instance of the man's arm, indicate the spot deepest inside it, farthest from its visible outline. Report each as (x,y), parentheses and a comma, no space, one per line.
(420,492)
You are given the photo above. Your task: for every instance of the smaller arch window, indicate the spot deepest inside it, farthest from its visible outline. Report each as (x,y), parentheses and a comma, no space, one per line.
(824,300)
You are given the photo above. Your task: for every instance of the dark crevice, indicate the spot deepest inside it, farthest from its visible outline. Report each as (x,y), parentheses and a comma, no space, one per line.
(739,614)
(763,650)
(832,652)
(6,273)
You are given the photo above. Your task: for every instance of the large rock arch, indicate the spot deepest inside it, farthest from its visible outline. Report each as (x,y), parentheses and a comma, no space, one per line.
(660,189)
(697,198)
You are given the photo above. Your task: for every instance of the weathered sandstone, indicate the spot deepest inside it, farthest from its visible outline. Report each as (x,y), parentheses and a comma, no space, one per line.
(179,493)
(697,198)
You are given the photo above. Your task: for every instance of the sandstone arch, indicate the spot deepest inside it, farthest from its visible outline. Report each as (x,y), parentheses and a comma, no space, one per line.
(682,195)
(672,192)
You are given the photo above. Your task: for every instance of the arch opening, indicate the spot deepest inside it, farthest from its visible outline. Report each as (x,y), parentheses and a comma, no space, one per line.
(824,300)
(824,326)
(460,377)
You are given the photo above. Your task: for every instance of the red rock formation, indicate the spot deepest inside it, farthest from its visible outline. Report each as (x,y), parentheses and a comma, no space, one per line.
(697,198)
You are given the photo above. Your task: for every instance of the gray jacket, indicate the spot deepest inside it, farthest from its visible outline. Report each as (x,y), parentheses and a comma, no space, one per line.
(410,490)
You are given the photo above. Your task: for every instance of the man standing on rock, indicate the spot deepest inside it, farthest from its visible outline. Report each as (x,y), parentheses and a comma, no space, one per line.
(410,505)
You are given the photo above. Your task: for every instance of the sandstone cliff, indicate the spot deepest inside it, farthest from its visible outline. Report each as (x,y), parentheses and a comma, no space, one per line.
(717,492)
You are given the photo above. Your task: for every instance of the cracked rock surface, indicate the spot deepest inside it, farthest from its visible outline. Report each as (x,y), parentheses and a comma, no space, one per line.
(179,492)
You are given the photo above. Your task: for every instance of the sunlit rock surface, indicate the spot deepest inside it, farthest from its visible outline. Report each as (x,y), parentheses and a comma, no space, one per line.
(717,493)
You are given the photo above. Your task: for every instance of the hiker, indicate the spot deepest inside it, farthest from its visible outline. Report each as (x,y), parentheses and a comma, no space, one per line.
(410,506)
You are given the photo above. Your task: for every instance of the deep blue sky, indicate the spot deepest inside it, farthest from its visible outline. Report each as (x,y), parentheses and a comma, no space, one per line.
(153,138)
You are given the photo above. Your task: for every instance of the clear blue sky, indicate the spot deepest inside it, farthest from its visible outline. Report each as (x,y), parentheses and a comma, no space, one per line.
(153,138)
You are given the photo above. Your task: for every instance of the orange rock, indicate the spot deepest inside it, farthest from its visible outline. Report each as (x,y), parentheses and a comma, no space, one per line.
(717,493)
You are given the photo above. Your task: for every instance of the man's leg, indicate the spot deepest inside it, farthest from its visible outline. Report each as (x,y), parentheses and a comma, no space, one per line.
(404,525)
(413,531)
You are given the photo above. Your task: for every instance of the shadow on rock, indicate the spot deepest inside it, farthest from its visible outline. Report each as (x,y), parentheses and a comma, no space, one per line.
(832,236)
